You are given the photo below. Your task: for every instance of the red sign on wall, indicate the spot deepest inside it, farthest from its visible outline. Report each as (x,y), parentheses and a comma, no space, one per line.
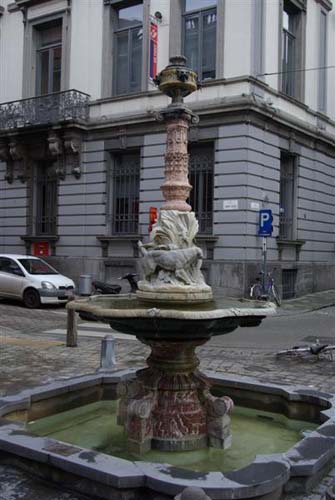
(153,214)
(41,249)
(153,49)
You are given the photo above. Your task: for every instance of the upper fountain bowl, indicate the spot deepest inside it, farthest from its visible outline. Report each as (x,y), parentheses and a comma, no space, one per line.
(186,322)
(177,80)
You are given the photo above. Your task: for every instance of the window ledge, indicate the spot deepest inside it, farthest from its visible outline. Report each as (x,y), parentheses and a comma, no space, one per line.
(118,237)
(123,97)
(293,100)
(290,243)
(105,240)
(29,239)
(207,237)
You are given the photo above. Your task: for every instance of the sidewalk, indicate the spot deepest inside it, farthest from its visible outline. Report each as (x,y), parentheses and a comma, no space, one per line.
(32,353)
(307,303)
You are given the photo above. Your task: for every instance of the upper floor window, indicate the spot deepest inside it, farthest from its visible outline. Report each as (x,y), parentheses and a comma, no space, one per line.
(292,50)
(199,36)
(49,58)
(322,94)
(124,193)
(128,35)
(45,210)
(201,178)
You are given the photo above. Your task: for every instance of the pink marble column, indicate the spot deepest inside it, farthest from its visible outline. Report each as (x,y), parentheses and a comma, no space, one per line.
(176,187)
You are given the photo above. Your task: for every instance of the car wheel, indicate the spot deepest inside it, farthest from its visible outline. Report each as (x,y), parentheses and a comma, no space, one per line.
(31,298)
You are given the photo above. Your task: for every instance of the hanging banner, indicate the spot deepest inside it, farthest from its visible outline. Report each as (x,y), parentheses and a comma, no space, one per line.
(153,49)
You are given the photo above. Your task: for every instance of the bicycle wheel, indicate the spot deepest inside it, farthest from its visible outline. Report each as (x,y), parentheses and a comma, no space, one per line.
(256,291)
(275,295)
(289,353)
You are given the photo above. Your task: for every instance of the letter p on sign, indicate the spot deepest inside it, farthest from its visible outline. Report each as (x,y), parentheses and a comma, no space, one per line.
(265,223)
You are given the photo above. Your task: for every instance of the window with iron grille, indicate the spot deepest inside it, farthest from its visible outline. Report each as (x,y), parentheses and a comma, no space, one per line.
(128,36)
(292,50)
(201,168)
(199,40)
(124,189)
(287,196)
(46,200)
(289,278)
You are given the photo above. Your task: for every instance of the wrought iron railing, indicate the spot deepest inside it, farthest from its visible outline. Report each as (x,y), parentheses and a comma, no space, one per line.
(69,105)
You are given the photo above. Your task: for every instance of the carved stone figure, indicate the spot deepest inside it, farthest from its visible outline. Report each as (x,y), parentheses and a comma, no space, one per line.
(171,261)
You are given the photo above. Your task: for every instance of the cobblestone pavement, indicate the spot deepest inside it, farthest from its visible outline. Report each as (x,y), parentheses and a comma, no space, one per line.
(30,357)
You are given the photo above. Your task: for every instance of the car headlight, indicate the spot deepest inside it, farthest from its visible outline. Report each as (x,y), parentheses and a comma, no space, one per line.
(48,285)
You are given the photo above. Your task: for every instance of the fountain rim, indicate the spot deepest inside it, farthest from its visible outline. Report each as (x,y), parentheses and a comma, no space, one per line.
(88,304)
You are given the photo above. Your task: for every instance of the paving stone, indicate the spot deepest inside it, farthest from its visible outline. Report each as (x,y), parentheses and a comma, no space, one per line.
(29,358)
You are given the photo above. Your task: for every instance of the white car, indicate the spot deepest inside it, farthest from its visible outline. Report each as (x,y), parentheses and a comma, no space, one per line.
(33,281)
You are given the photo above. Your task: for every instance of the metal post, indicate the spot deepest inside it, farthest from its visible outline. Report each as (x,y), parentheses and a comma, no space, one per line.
(107,357)
(264,265)
(71,328)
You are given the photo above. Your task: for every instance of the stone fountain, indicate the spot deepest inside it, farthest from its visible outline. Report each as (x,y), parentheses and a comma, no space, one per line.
(169,406)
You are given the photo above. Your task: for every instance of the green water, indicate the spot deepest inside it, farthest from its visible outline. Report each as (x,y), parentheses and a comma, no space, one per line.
(254,432)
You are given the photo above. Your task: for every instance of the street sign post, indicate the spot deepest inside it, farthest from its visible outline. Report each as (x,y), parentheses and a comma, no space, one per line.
(265,229)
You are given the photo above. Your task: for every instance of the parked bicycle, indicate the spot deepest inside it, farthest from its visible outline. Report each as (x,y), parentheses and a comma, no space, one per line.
(307,350)
(265,289)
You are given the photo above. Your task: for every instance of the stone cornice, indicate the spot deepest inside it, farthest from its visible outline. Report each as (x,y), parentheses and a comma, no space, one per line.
(326,4)
(224,111)
(300,4)
(31,3)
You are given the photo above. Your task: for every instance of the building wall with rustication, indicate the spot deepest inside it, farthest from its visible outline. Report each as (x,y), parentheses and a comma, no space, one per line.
(242,113)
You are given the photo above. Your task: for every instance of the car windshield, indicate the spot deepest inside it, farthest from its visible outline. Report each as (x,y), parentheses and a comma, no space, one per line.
(37,266)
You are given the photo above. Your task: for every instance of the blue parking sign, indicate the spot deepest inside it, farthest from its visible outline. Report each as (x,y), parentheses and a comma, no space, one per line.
(265,223)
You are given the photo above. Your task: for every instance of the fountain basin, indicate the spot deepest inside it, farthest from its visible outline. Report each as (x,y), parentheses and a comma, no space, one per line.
(94,473)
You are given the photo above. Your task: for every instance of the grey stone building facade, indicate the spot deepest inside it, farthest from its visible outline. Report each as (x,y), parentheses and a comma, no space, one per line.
(79,175)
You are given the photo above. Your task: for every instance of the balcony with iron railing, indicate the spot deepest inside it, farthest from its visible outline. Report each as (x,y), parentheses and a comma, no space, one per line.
(66,106)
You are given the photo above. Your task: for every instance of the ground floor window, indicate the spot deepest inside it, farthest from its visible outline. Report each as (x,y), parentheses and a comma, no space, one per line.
(287,195)
(201,166)
(124,193)
(46,199)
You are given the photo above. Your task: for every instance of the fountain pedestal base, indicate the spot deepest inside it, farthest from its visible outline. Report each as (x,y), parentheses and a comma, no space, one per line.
(169,405)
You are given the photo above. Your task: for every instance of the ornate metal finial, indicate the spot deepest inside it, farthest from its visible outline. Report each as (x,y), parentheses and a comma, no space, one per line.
(177,80)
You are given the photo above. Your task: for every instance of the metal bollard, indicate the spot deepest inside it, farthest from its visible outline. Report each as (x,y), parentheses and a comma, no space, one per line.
(107,357)
(71,327)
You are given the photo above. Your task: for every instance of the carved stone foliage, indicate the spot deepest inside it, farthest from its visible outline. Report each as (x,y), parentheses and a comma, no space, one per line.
(171,261)
(5,156)
(63,150)
(72,148)
(17,160)
(66,152)
(56,151)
